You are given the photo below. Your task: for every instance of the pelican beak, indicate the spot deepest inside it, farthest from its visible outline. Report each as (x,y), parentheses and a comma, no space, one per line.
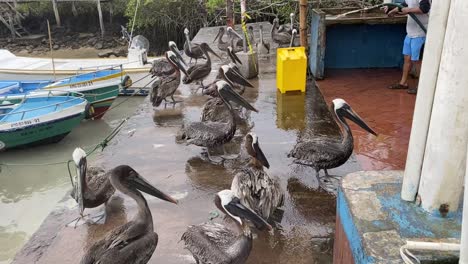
(210,90)
(233,56)
(178,64)
(141,184)
(177,53)
(227,93)
(212,51)
(237,209)
(353,116)
(234,76)
(217,36)
(259,154)
(237,34)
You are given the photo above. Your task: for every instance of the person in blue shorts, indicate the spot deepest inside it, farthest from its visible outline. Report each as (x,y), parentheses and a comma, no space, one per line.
(413,46)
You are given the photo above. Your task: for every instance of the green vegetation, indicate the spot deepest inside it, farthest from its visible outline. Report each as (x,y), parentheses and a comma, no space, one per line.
(164,20)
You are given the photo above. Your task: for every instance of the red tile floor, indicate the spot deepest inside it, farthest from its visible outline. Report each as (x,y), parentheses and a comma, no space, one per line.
(388,112)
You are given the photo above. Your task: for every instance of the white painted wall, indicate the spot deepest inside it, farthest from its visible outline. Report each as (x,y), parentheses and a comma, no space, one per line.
(425,98)
(445,155)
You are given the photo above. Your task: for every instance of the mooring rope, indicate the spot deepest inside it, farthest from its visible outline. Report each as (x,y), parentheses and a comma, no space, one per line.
(103,144)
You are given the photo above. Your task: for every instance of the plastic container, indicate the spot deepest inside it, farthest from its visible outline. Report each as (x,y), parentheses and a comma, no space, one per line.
(291,67)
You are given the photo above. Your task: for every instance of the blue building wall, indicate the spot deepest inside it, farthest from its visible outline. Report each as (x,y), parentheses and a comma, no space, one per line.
(364,46)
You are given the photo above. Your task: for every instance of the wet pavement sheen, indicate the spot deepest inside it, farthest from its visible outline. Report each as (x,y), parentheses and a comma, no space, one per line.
(147,143)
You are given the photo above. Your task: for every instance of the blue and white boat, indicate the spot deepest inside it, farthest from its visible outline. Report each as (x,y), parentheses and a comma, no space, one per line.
(100,88)
(39,120)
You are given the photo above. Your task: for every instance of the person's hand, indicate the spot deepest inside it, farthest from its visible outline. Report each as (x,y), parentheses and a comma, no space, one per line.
(404,11)
(392,12)
(385,9)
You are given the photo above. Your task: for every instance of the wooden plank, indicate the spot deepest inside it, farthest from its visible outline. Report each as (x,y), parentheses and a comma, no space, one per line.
(317,43)
(303,22)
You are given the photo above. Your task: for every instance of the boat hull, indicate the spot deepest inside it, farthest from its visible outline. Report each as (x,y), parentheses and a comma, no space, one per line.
(40,133)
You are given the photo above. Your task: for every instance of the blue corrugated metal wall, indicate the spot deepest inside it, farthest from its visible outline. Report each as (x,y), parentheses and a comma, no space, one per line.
(364,46)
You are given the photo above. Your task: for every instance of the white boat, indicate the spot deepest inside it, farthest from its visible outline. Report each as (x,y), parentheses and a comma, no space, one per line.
(13,67)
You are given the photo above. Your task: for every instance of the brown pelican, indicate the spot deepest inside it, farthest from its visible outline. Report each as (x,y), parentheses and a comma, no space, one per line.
(262,46)
(289,29)
(193,51)
(251,35)
(168,84)
(223,45)
(281,38)
(163,67)
(214,134)
(326,153)
(135,241)
(214,109)
(198,73)
(217,244)
(236,45)
(92,186)
(293,37)
(252,184)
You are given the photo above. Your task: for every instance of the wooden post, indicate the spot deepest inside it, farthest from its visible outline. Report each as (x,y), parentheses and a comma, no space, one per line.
(51,49)
(56,12)
(243,4)
(303,22)
(12,26)
(230,13)
(101,21)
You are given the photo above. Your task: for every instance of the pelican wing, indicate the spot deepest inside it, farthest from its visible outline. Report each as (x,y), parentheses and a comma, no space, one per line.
(317,151)
(161,68)
(205,134)
(258,191)
(215,111)
(209,242)
(197,72)
(125,244)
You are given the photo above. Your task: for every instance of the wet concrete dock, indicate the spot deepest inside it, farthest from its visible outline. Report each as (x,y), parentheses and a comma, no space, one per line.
(147,143)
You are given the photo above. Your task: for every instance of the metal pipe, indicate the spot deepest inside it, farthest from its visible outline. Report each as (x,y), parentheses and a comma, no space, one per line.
(425,99)
(443,169)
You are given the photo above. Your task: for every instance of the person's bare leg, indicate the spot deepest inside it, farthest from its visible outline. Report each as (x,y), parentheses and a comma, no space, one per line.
(417,65)
(406,70)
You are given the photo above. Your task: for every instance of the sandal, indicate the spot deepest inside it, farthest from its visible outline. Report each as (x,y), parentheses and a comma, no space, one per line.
(412,91)
(397,86)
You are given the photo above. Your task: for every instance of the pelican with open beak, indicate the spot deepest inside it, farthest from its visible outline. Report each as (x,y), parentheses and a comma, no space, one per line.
(326,153)
(216,243)
(214,134)
(135,241)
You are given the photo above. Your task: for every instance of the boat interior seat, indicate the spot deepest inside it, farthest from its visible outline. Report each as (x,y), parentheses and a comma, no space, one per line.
(10,88)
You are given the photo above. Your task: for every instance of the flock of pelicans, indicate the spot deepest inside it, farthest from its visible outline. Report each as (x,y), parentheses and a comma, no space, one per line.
(254,195)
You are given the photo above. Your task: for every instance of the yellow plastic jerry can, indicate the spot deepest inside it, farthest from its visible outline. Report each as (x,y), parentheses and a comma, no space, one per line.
(291,66)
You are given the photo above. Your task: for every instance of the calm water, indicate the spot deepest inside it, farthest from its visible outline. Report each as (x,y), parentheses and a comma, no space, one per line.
(29,193)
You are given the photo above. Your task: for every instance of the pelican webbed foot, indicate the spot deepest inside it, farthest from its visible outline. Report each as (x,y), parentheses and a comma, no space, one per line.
(88,219)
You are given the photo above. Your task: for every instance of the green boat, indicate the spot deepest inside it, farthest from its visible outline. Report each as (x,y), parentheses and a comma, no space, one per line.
(39,120)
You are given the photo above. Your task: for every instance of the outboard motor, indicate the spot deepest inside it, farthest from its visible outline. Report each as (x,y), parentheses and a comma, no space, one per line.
(137,49)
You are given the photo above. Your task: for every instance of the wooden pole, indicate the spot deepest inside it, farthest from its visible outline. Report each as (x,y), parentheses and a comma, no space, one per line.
(243,4)
(101,20)
(51,48)
(56,12)
(303,22)
(230,13)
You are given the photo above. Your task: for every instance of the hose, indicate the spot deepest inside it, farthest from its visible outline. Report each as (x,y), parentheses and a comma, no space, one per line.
(412,15)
